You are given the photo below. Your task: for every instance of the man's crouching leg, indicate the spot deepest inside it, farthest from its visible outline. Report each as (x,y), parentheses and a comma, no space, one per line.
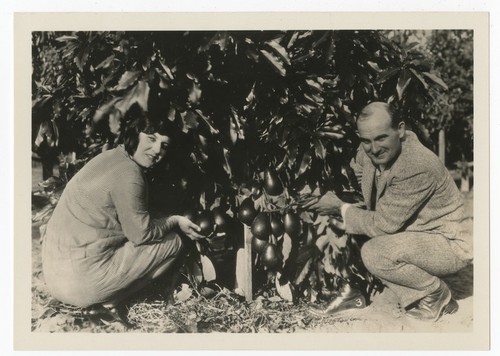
(409,264)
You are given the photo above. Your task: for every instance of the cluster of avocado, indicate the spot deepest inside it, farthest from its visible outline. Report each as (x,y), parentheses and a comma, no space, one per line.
(262,224)
(265,224)
(211,222)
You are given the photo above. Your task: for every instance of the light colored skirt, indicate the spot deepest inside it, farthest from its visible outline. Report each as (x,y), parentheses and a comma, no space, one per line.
(83,277)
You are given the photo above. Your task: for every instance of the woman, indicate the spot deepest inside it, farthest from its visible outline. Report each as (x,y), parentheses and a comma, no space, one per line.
(101,243)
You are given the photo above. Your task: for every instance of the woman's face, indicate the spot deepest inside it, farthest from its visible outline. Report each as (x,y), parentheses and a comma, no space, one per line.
(151,149)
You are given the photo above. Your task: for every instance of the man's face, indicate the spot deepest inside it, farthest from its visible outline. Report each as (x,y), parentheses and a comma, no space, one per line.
(380,141)
(151,149)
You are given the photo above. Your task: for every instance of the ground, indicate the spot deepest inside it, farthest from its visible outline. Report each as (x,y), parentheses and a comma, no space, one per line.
(269,314)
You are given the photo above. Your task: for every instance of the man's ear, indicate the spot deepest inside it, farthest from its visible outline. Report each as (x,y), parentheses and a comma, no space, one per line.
(401,129)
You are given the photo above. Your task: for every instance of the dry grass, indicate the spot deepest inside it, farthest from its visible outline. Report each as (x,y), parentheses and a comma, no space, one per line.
(225,312)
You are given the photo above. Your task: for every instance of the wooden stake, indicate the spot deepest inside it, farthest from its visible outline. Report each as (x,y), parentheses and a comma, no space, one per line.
(244,266)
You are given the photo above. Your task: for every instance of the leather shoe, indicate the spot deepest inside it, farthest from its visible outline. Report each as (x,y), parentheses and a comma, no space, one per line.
(109,313)
(434,305)
(348,298)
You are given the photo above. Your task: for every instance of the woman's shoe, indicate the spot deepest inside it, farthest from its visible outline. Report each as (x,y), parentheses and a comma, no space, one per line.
(109,313)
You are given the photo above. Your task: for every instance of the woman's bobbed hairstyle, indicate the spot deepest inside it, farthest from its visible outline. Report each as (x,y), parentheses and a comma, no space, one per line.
(137,121)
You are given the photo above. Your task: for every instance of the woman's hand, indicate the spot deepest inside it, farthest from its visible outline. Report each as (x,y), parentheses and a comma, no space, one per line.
(328,204)
(189,228)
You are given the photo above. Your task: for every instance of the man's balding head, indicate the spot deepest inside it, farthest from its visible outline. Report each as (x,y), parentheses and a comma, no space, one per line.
(381,110)
(380,134)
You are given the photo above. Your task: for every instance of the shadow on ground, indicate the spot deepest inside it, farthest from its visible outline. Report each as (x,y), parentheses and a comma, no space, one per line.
(461,283)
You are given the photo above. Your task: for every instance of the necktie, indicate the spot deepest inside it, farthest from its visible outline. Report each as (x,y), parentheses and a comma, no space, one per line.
(374,192)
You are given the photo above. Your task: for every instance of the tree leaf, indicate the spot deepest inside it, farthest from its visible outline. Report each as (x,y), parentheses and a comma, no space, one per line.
(276,64)
(279,50)
(252,54)
(221,38)
(43,213)
(82,56)
(422,63)
(127,79)
(322,39)
(167,70)
(292,39)
(189,121)
(436,80)
(314,85)
(339,242)
(313,99)
(226,162)
(374,66)
(105,63)
(138,94)
(328,263)
(305,109)
(208,268)
(184,294)
(403,81)
(48,313)
(321,223)
(322,242)
(66,38)
(105,109)
(115,121)
(286,248)
(420,78)
(236,126)
(205,119)
(284,290)
(196,272)
(387,74)
(306,217)
(305,164)
(304,272)
(411,45)
(319,149)
(332,135)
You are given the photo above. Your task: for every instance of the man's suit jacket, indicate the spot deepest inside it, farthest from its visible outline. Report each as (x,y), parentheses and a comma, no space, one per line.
(416,193)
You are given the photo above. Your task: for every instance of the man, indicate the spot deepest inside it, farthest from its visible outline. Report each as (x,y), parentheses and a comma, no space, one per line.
(414,214)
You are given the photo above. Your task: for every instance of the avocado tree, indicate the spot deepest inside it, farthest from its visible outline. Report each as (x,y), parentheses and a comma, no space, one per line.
(262,121)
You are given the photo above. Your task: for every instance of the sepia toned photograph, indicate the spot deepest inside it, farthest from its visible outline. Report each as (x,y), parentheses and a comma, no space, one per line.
(230,181)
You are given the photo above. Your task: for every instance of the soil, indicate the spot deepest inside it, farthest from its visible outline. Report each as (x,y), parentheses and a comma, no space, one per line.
(381,315)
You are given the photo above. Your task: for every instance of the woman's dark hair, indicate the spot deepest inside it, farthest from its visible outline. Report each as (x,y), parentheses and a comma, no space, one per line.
(137,121)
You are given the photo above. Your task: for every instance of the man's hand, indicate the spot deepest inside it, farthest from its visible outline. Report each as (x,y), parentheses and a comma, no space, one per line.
(328,204)
(189,228)
(337,225)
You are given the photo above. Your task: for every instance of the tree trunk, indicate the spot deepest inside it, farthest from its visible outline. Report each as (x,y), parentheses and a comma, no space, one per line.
(442,146)
(464,184)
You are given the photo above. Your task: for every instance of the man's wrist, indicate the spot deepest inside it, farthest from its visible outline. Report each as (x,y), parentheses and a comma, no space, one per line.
(343,209)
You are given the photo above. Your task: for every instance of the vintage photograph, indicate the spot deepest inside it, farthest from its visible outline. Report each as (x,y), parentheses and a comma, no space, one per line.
(256,181)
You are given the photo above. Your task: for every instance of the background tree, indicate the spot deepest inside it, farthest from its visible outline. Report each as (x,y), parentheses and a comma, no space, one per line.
(450,53)
(453,53)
